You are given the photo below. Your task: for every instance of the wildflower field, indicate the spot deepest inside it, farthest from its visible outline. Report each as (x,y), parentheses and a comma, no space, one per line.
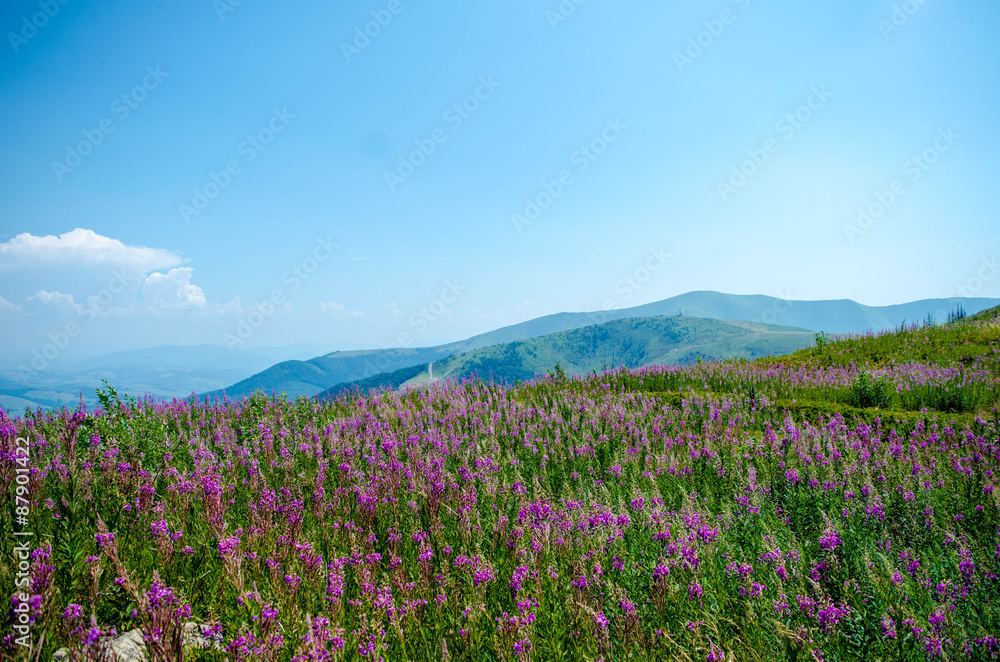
(839,503)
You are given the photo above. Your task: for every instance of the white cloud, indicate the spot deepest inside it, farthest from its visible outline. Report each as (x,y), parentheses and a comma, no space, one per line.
(234,307)
(331,307)
(394,309)
(339,310)
(172,290)
(7,305)
(82,247)
(56,299)
(53,306)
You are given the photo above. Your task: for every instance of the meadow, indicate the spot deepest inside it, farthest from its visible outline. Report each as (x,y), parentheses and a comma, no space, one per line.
(838,503)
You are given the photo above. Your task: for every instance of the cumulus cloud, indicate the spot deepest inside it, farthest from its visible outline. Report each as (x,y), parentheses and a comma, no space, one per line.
(53,306)
(55,299)
(49,305)
(82,247)
(172,290)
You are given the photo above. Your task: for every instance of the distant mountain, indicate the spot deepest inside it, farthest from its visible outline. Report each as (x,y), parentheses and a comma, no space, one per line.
(311,377)
(203,357)
(633,343)
(295,378)
(163,372)
(836,316)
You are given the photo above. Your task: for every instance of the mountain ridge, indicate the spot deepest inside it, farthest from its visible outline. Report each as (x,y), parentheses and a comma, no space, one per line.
(842,316)
(630,342)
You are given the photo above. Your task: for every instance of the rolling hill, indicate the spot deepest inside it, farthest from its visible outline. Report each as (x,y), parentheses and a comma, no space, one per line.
(631,342)
(311,377)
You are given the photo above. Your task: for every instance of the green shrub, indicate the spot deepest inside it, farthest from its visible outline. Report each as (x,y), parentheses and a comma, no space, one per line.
(867,392)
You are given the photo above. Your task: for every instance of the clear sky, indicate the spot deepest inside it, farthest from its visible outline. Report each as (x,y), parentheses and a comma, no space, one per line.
(168,167)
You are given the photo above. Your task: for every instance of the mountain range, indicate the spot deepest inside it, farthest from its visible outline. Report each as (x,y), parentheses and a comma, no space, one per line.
(178,371)
(164,372)
(309,378)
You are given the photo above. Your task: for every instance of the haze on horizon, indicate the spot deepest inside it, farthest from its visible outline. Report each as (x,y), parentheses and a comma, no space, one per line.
(173,171)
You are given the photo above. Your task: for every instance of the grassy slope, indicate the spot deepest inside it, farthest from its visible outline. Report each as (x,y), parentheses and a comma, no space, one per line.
(944,344)
(988,315)
(701,480)
(971,345)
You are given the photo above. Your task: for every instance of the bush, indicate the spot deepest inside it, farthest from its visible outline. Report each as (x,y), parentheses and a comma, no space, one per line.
(867,392)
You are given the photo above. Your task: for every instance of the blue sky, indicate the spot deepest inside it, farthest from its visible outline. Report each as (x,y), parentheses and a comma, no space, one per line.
(506,99)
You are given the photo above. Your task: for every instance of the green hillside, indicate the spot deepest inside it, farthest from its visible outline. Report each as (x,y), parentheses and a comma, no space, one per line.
(990,314)
(901,374)
(310,377)
(385,380)
(631,343)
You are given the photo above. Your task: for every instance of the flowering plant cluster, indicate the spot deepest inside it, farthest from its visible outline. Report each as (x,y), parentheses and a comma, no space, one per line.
(712,512)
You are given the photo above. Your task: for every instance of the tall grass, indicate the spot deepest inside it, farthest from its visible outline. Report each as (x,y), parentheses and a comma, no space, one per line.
(658,514)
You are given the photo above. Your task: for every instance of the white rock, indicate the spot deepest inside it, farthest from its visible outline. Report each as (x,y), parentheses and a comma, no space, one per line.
(130,647)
